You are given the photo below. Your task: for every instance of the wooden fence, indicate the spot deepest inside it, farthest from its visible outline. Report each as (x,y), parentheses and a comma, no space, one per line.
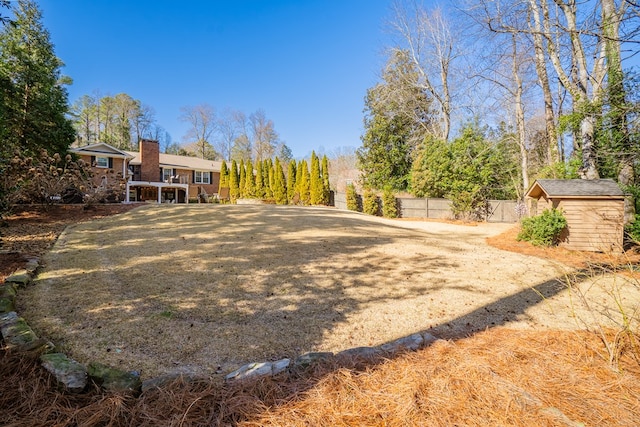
(409,207)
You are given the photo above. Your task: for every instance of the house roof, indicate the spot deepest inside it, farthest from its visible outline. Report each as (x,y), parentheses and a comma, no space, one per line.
(575,188)
(180,162)
(102,149)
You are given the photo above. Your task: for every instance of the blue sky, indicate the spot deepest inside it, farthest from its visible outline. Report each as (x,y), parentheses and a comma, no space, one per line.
(306,63)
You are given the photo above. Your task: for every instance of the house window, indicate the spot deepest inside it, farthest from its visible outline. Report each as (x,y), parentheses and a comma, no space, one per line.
(102,162)
(167,174)
(201,177)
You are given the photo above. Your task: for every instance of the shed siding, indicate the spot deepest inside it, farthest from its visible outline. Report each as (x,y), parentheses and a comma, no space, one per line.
(593,225)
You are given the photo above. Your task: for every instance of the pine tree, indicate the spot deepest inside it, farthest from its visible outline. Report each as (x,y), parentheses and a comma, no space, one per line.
(241,181)
(250,183)
(279,186)
(291,180)
(33,98)
(234,191)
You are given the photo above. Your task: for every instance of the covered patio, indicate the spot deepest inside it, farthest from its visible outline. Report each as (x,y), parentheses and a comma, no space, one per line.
(162,192)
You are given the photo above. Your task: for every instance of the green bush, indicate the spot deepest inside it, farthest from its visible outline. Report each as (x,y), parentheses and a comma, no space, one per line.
(633,229)
(370,203)
(543,229)
(389,203)
(353,202)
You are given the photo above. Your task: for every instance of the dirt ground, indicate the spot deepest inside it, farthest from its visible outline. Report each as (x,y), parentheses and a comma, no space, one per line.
(219,286)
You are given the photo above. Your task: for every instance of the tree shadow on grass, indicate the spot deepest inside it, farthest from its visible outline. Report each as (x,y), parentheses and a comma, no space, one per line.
(267,301)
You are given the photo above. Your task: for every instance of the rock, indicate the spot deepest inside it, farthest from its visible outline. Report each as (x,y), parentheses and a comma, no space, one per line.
(32,265)
(360,352)
(279,366)
(20,278)
(253,370)
(308,359)
(15,331)
(114,380)
(8,318)
(7,290)
(6,305)
(67,371)
(428,339)
(412,342)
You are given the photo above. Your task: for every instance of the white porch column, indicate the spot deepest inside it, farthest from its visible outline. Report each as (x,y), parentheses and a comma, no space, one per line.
(126,194)
(175,195)
(159,193)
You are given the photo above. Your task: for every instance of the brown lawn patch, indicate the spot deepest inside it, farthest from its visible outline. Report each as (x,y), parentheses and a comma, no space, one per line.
(497,377)
(205,289)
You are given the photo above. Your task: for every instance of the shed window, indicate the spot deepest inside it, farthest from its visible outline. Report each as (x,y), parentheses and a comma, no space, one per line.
(201,177)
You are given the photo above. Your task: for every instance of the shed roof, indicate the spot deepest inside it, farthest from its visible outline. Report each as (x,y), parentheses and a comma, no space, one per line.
(576,188)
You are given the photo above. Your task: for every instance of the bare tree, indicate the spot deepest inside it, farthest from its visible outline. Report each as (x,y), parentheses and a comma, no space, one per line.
(202,121)
(432,46)
(265,138)
(231,125)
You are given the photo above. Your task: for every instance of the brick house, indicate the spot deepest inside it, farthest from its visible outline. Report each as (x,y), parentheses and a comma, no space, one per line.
(151,175)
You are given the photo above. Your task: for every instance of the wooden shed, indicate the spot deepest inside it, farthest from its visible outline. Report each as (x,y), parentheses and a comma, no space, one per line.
(594,210)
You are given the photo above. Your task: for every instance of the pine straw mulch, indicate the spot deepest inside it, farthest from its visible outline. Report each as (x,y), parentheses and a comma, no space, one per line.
(498,377)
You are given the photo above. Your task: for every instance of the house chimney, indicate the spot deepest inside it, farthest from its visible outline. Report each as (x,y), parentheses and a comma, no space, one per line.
(150,160)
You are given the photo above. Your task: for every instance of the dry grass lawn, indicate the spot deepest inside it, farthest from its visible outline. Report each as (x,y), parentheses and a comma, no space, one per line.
(204,289)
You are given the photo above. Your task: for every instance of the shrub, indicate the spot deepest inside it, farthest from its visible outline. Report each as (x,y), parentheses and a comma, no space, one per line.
(543,229)
(352,198)
(633,229)
(389,203)
(370,203)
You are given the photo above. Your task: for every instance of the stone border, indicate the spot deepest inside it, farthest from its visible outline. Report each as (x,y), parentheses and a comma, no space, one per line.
(74,376)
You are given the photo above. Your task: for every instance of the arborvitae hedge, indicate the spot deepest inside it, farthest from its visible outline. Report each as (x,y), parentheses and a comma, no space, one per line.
(249,183)
(325,180)
(259,191)
(234,191)
(241,181)
(315,181)
(352,198)
(279,185)
(224,176)
(389,203)
(291,180)
(370,204)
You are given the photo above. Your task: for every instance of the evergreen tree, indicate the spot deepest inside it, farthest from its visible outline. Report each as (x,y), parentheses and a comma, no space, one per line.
(279,186)
(389,203)
(259,189)
(397,118)
(250,183)
(298,185)
(234,190)
(266,176)
(325,180)
(241,181)
(224,176)
(33,98)
(315,181)
(305,190)
(291,180)
(370,204)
